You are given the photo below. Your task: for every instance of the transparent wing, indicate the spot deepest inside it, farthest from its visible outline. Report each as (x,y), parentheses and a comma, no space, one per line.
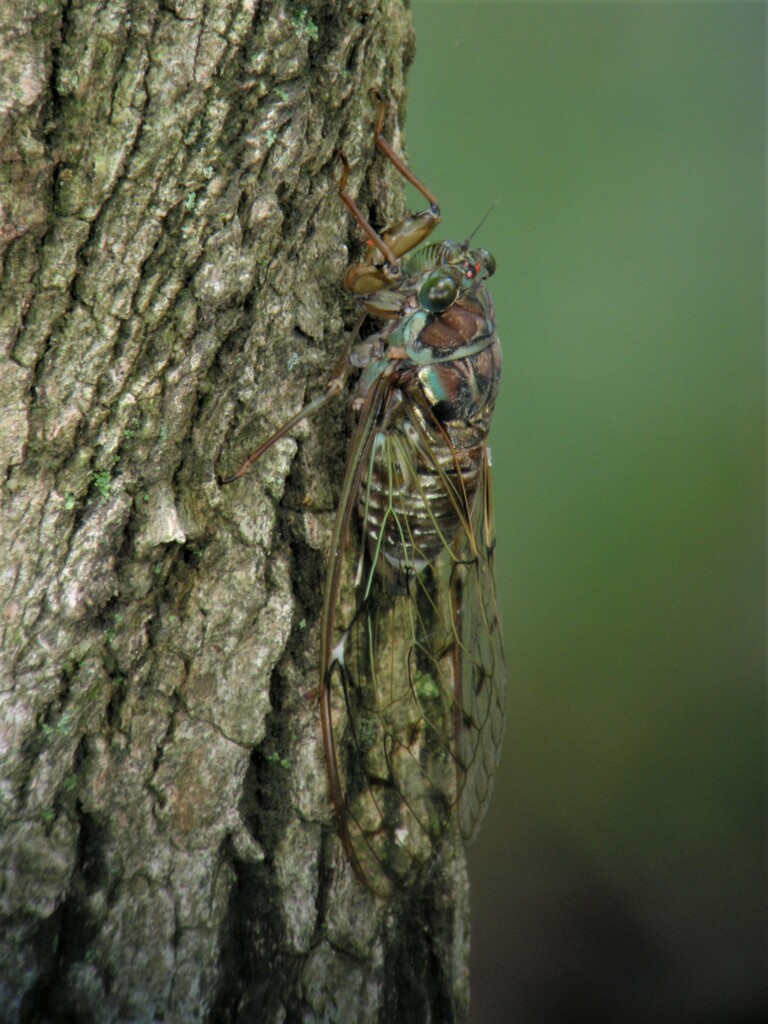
(480,662)
(413,692)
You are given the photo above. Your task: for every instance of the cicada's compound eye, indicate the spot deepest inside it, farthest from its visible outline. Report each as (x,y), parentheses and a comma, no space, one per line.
(439,290)
(488,260)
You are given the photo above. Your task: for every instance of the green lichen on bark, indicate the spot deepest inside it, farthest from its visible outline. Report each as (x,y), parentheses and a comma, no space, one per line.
(171,246)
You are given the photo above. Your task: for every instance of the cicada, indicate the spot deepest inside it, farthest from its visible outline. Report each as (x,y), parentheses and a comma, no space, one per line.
(412,684)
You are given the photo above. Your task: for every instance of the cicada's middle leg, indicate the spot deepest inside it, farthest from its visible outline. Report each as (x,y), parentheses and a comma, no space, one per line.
(381,267)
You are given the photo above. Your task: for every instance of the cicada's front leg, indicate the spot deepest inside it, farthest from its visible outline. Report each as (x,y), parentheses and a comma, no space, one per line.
(381,267)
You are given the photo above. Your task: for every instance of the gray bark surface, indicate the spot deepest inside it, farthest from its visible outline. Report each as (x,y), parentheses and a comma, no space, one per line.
(171,250)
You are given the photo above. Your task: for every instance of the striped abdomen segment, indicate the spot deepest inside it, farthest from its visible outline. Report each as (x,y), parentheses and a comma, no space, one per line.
(412,502)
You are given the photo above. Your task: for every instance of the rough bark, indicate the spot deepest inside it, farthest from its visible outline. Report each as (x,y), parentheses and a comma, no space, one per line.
(172,245)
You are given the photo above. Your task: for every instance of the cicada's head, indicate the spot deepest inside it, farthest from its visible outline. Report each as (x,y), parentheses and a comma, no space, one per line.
(457,270)
(474,265)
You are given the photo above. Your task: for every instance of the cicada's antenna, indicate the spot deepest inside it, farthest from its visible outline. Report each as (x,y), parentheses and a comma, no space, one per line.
(491,208)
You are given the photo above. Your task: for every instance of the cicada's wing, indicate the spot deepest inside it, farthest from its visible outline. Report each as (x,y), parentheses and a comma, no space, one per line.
(479,661)
(403,752)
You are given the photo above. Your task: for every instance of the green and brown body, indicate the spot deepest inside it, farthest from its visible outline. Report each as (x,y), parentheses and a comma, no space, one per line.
(414,688)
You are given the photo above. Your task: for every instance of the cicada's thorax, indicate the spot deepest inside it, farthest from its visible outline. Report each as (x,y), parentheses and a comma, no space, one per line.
(426,458)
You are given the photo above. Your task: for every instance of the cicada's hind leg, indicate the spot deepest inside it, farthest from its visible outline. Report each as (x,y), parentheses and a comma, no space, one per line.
(334,388)
(381,268)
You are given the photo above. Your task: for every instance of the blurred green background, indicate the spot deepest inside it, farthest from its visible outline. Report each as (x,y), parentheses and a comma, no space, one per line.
(620,875)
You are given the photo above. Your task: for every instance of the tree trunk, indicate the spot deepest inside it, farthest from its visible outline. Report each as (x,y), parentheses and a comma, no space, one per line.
(172,245)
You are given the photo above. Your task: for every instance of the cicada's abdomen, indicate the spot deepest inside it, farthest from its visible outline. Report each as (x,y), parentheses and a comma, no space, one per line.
(408,501)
